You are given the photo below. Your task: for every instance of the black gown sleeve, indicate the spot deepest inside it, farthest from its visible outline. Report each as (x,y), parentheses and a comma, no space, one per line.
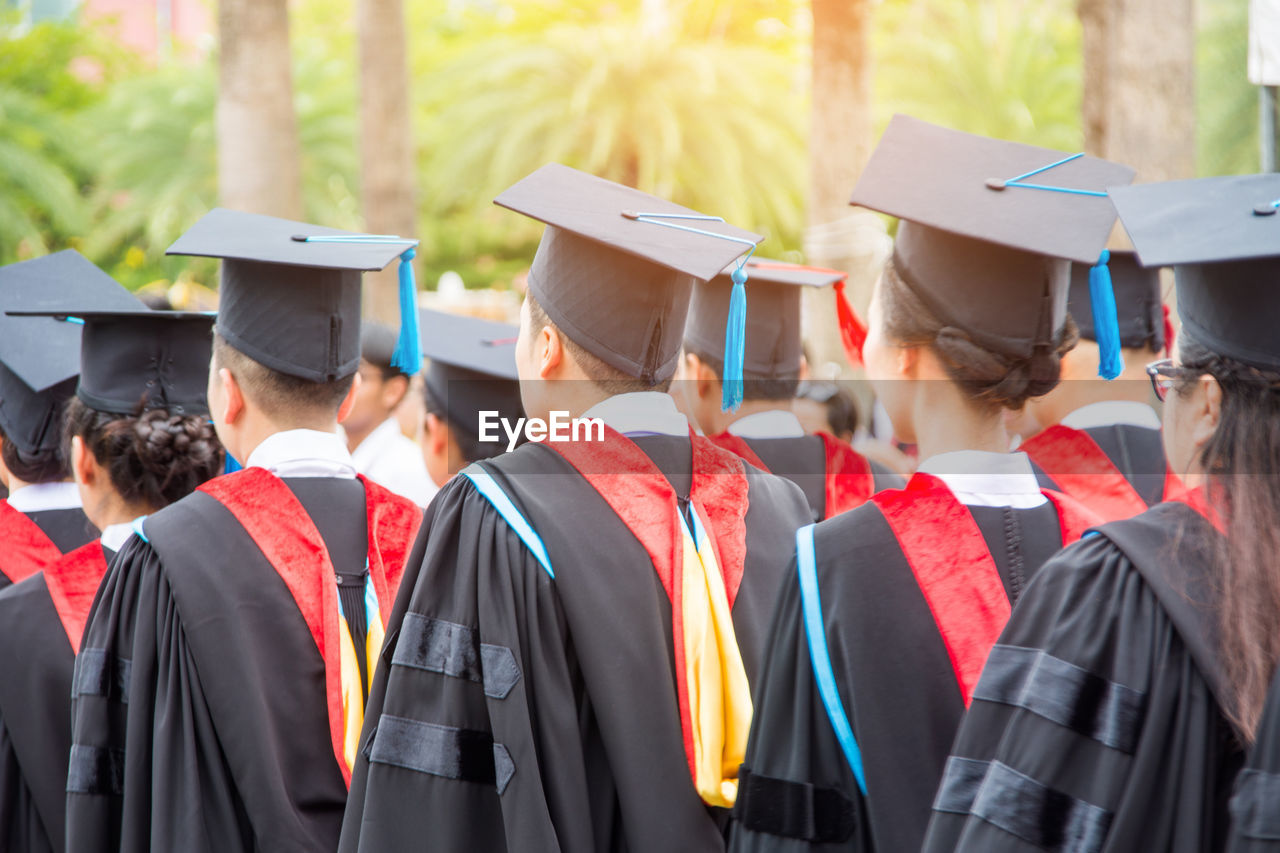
(22,829)
(1255,808)
(146,768)
(1091,728)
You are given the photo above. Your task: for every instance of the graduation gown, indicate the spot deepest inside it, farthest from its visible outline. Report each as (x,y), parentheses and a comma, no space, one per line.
(532,712)
(833,476)
(203,714)
(41,622)
(1095,726)
(30,541)
(1255,808)
(911,590)
(1117,470)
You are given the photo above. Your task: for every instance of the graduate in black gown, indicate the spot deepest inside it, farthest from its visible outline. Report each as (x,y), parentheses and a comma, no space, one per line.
(471,373)
(889,610)
(41,519)
(1113,712)
(572,650)
(221,679)
(764,430)
(139,439)
(1099,441)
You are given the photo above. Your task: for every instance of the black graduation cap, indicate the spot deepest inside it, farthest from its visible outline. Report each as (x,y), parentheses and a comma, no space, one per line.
(615,266)
(1139,308)
(133,360)
(472,368)
(290,291)
(1222,238)
(988,226)
(40,356)
(773,341)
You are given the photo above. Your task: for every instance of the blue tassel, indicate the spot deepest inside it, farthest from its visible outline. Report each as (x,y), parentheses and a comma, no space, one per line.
(408,355)
(735,341)
(1106,328)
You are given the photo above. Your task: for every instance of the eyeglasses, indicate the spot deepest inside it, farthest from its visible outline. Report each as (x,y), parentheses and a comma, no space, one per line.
(1163,374)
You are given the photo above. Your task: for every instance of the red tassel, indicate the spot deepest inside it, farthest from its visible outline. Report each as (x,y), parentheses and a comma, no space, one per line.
(1168,332)
(853,332)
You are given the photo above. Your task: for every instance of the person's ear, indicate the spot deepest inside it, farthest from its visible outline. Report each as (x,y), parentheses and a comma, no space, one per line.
(83,466)
(349,401)
(394,390)
(549,352)
(232,395)
(705,382)
(436,439)
(907,362)
(1208,412)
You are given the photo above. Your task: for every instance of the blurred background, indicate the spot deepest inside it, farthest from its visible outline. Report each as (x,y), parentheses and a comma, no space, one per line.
(123,121)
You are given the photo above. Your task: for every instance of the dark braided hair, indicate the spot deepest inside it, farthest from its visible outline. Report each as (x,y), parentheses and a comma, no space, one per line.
(153,458)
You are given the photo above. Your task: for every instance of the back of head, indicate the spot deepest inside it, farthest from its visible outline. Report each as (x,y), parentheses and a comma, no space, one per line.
(286,400)
(46,465)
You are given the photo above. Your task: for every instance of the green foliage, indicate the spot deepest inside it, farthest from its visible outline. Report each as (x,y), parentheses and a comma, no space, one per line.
(1227,131)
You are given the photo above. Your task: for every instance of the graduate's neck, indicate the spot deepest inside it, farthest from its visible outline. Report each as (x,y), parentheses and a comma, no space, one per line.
(944,419)
(721,420)
(255,427)
(105,507)
(1081,386)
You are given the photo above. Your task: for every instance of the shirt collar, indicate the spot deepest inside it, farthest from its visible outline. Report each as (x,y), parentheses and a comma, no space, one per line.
(39,497)
(775,423)
(365,451)
(304,453)
(1113,413)
(983,478)
(641,413)
(115,535)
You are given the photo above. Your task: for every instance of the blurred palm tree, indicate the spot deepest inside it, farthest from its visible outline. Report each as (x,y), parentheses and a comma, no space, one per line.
(1227,137)
(713,125)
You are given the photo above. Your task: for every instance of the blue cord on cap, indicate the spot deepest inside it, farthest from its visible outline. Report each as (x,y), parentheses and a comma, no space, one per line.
(407,357)
(1106,327)
(735,334)
(997,184)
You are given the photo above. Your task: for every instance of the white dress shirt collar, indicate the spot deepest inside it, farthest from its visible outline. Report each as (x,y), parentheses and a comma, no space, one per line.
(983,478)
(304,453)
(115,535)
(1113,413)
(39,497)
(775,423)
(641,413)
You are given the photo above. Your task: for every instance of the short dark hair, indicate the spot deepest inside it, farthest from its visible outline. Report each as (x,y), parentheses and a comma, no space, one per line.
(604,376)
(280,395)
(46,466)
(469,445)
(754,386)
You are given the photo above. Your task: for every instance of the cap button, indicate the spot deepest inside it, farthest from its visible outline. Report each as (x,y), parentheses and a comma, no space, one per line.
(1267,209)
(995,184)
(299,238)
(630,214)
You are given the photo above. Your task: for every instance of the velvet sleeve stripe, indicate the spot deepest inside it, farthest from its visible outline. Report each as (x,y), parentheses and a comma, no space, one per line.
(100,673)
(1063,693)
(95,770)
(814,813)
(1037,814)
(448,648)
(1255,808)
(450,753)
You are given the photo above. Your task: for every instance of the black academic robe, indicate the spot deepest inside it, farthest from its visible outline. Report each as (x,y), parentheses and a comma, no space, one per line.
(65,529)
(896,681)
(1255,807)
(806,461)
(1095,726)
(522,712)
(199,717)
(1135,453)
(36,661)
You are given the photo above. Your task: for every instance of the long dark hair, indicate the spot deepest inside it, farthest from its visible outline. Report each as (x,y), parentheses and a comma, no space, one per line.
(1242,460)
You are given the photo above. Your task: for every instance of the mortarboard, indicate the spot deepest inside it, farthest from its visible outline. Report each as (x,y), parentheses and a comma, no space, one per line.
(616,265)
(472,367)
(1139,308)
(988,227)
(773,326)
(40,356)
(290,291)
(133,360)
(1222,238)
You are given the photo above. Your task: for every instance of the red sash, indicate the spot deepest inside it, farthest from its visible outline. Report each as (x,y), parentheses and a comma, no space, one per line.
(638,493)
(26,549)
(849,481)
(73,581)
(959,580)
(1081,468)
(279,525)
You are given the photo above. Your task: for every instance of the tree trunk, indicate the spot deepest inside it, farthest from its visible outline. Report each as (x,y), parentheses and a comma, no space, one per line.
(1139,85)
(387,165)
(258,156)
(840,142)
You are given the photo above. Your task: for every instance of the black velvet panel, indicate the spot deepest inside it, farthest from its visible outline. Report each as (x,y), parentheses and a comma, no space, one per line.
(1039,815)
(95,770)
(452,753)
(813,813)
(1254,807)
(100,673)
